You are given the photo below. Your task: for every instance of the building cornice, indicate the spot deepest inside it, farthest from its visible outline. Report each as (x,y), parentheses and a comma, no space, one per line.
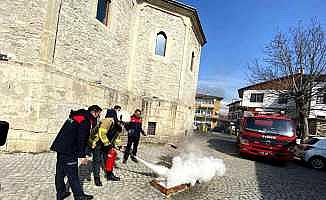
(184,10)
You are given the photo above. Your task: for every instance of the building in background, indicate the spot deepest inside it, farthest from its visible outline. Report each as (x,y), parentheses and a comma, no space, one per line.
(207,110)
(235,111)
(72,54)
(266,96)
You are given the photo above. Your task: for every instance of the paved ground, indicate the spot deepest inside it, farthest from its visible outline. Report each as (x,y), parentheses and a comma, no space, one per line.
(31,176)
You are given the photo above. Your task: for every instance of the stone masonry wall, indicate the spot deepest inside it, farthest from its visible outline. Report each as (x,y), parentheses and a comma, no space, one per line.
(168,78)
(156,75)
(88,49)
(21,80)
(64,59)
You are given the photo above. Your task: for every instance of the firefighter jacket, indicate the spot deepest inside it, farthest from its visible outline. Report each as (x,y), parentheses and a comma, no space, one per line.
(103,133)
(134,127)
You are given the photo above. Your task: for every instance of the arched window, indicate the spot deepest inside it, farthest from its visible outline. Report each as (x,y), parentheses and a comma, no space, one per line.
(160,44)
(192,61)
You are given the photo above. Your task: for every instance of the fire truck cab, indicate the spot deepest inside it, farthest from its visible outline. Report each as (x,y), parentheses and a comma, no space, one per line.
(267,134)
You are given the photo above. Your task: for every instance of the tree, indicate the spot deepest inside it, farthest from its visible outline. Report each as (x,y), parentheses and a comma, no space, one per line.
(296,62)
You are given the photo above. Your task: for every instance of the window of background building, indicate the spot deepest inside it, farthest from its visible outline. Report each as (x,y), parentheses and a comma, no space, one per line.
(102,14)
(160,44)
(321,99)
(151,128)
(192,61)
(321,96)
(259,98)
(282,99)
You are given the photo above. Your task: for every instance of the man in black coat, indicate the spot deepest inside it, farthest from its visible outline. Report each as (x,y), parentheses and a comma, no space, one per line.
(70,144)
(134,128)
(113,113)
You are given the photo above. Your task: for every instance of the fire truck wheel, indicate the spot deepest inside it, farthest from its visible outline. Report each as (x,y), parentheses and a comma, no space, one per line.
(317,162)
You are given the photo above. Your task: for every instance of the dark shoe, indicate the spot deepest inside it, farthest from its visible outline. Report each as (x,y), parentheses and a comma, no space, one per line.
(66,194)
(134,159)
(87,196)
(112,177)
(84,197)
(97,181)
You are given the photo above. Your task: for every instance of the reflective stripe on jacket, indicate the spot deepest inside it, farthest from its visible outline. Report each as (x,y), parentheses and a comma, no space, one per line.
(101,134)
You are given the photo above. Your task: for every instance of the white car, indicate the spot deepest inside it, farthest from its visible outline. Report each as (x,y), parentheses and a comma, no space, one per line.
(315,152)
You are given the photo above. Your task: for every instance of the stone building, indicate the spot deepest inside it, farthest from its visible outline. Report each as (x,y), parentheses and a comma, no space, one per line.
(59,55)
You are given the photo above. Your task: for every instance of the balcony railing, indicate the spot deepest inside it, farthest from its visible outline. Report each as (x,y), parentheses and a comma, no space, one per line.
(205,105)
(205,115)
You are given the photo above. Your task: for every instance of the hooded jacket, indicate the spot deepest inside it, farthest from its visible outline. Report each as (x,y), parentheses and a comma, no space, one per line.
(72,137)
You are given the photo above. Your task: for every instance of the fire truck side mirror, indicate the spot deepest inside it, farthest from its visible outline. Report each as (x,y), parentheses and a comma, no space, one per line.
(4,127)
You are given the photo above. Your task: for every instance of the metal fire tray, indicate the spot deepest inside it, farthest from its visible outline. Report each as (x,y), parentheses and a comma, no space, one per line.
(161,186)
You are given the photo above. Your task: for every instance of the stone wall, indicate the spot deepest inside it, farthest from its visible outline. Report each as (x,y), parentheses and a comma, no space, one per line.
(167,78)
(64,59)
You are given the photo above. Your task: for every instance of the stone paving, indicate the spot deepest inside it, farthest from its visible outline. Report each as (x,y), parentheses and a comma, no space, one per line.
(31,176)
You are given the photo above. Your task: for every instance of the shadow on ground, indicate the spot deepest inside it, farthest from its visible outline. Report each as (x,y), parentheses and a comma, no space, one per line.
(276,180)
(148,174)
(223,145)
(165,160)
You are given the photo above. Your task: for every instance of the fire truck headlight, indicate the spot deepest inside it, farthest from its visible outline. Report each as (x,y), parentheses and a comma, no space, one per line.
(243,141)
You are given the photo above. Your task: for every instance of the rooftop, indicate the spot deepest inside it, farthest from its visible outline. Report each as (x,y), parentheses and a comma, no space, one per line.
(234,102)
(205,96)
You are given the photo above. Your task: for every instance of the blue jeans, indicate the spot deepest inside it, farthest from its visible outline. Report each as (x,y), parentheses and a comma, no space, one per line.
(67,166)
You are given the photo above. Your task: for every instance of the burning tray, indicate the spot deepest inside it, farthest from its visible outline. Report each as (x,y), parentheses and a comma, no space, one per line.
(161,186)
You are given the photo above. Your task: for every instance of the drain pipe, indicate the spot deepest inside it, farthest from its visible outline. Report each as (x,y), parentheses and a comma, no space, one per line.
(56,32)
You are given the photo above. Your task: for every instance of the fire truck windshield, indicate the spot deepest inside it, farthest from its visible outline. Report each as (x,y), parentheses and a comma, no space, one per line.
(270,126)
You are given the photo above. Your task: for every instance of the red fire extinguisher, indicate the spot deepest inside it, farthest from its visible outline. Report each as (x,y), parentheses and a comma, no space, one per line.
(110,161)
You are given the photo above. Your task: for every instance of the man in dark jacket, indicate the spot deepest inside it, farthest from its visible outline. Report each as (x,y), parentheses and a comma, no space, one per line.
(134,128)
(113,113)
(70,144)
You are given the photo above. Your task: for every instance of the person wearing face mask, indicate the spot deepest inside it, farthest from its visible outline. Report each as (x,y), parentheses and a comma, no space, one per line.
(70,144)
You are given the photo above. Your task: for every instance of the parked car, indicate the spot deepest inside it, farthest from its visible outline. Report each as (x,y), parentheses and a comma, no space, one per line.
(314,152)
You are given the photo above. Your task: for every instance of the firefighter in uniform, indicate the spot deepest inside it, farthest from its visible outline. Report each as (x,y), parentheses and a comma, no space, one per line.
(102,144)
(134,128)
(70,144)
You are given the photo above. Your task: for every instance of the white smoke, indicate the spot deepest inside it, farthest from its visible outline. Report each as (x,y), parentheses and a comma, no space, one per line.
(189,168)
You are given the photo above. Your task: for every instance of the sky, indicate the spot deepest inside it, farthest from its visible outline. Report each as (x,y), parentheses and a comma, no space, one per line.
(238,30)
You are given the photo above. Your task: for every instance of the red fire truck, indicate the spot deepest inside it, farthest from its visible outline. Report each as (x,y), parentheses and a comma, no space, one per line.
(266,134)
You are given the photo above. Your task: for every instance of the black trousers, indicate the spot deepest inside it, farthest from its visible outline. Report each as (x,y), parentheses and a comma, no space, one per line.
(133,140)
(67,166)
(99,158)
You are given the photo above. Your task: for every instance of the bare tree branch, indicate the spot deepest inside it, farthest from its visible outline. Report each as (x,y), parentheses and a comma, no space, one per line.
(295,62)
